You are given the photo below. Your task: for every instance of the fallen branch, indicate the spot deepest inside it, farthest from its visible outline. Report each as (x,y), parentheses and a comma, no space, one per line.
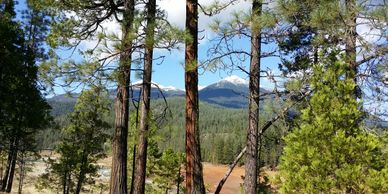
(264,128)
(231,167)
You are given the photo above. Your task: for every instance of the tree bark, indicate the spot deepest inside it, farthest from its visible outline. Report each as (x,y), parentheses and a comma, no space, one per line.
(145,113)
(11,164)
(133,168)
(81,176)
(251,164)
(21,174)
(8,167)
(1,172)
(64,182)
(194,177)
(178,180)
(68,181)
(12,171)
(118,180)
(350,43)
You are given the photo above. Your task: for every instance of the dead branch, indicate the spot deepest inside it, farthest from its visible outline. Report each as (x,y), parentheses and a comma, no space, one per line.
(263,129)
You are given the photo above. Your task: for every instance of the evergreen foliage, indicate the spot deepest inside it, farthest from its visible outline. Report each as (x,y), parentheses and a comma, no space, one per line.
(329,151)
(218,126)
(23,109)
(81,144)
(162,164)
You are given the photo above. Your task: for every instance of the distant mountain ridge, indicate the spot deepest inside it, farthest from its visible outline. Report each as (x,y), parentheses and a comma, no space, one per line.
(230,92)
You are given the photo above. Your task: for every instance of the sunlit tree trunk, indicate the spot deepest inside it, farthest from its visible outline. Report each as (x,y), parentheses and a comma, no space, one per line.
(251,162)
(194,177)
(145,113)
(118,180)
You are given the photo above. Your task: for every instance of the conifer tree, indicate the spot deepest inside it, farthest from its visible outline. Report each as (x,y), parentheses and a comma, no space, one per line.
(82,144)
(110,60)
(314,27)
(145,108)
(86,24)
(329,151)
(21,116)
(162,166)
(251,161)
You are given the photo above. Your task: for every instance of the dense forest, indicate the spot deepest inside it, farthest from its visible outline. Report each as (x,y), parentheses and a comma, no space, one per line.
(222,130)
(80,111)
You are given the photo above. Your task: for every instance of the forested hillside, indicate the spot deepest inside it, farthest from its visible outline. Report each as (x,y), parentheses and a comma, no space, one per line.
(222,129)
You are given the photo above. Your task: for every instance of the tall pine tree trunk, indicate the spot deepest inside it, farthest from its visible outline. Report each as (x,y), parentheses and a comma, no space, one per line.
(69,183)
(11,164)
(21,173)
(133,168)
(118,180)
(194,177)
(178,180)
(251,163)
(351,52)
(8,167)
(82,173)
(145,114)
(64,182)
(12,169)
(350,42)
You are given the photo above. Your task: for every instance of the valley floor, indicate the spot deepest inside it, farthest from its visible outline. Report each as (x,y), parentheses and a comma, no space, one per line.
(212,175)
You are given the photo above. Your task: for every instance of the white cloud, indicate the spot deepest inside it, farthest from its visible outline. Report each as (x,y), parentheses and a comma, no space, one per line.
(176,14)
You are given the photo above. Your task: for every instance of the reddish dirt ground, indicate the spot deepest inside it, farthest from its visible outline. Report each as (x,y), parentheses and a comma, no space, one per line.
(213,173)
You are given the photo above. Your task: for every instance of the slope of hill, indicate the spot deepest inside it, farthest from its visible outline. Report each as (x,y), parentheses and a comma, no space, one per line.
(230,92)
(222,129)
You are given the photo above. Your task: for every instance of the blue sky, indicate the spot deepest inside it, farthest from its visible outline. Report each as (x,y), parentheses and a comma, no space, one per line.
(171,71)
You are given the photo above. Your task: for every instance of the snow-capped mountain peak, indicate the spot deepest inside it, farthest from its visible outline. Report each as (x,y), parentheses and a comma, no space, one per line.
(168,88)
(201,87)
(235,80)
(156,85)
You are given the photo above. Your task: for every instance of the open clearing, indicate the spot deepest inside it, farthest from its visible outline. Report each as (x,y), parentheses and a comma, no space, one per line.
(212,175)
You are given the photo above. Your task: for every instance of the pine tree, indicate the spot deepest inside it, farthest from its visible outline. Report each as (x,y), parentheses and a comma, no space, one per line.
(167,170)
(22,116)
(320,26)
(162,166)
(70,31)
(251,159)
(329,151)
(145,108)
(82,144)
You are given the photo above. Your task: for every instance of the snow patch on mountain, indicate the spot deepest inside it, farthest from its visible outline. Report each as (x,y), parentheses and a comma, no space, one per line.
(234,79)
(156,85)
(168,88)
